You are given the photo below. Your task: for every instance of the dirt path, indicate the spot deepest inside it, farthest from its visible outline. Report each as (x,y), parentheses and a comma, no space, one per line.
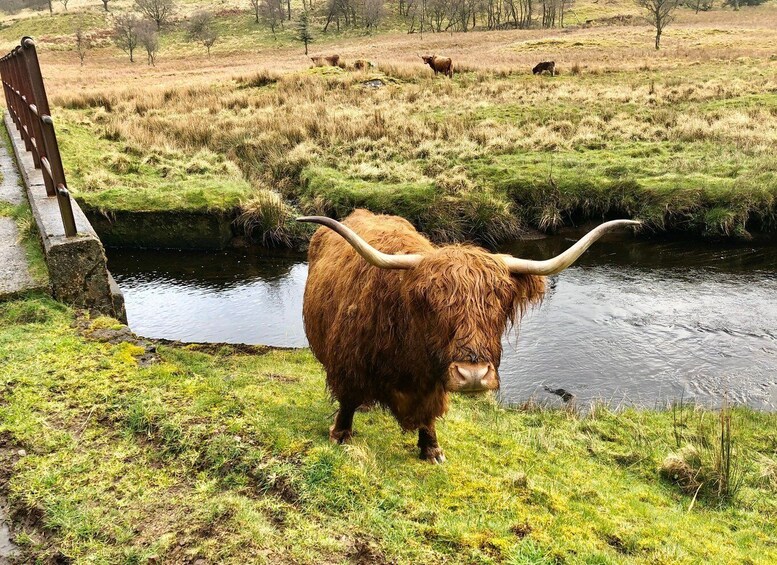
(15,277)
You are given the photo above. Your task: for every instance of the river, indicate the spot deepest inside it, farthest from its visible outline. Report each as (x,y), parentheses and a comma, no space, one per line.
(634,322)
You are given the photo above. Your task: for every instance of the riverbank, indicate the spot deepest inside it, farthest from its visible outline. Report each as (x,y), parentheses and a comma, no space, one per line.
(147,452)
(680,138)
(574,148)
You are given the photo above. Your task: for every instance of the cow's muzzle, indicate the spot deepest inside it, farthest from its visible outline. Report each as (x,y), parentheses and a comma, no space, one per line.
(471,377)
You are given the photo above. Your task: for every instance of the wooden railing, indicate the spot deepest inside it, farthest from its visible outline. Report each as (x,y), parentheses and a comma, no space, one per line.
(28,106)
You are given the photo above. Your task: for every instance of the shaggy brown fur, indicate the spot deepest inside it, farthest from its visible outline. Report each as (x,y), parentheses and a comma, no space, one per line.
(549,66)
(326,61)
(442,65)
(389,336)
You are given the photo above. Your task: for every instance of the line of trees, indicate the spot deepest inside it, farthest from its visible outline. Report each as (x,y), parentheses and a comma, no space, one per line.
(447,15)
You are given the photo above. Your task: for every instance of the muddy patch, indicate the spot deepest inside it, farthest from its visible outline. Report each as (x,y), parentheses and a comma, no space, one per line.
(8,549)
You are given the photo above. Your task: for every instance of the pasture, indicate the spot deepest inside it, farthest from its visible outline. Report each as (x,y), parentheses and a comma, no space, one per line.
(138,454)
(120,449)
(681,138)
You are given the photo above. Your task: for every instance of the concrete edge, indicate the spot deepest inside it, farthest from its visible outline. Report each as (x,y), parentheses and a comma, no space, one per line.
(78,270)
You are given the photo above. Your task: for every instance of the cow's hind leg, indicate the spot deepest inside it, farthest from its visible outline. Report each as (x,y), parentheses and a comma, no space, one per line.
(342,430)
(427,441)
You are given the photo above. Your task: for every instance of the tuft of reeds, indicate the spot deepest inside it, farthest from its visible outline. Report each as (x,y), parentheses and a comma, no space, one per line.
(708,465)
(268,219)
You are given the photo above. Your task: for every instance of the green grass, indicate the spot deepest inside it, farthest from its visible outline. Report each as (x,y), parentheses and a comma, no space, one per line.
(30,241)
(696,187)
(48,28)
(109,175)
(682,141)
(225,456)
(675,149)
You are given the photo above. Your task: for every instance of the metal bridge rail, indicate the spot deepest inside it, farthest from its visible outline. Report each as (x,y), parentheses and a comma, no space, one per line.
(28,106)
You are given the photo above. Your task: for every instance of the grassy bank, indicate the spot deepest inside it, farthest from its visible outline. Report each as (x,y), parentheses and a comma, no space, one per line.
(480,157)
(681,138)
(135,454)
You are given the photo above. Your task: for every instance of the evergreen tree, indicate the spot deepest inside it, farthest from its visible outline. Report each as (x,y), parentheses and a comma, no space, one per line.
(304,33)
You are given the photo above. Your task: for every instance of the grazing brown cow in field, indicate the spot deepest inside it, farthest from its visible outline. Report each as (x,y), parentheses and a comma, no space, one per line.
(442,65)
(362,65)
(549,66)
(326,61)
(398,321)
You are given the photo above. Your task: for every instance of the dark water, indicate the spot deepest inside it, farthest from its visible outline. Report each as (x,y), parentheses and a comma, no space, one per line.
(633,322)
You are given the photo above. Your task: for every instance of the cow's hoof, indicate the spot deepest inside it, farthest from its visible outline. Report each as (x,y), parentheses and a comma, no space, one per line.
(340,436)
(433,455)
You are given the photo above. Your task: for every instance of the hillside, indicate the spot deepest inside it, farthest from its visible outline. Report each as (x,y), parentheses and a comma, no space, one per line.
(679,137)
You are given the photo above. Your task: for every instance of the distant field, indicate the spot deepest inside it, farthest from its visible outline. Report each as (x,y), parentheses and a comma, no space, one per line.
(682,138)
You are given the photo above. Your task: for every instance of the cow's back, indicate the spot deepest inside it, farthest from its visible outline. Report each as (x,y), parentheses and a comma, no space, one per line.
(353,311)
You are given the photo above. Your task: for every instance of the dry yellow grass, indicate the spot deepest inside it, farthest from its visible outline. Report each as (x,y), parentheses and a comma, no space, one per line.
(691,116)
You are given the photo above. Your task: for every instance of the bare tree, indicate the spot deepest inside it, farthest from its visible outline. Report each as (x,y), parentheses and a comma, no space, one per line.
(272,13)
(157,10)
(660,13)
(83,41)
(700,5)
(202,30)
(373,13)
(64,3)
(148,38)
(255,4)
(125,32)
(105,5)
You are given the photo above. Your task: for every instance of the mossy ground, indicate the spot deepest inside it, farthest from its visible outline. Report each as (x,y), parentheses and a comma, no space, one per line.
(114,176)
(224,455)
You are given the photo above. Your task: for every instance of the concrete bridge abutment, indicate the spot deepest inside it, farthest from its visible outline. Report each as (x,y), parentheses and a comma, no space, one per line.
(78,269)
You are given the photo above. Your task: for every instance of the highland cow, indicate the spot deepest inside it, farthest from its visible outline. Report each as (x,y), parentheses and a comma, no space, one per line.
(549,66)
(400,322)
(442,65)
(326,61)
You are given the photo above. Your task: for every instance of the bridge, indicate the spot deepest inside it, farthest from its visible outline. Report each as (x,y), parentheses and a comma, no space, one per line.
(34,195)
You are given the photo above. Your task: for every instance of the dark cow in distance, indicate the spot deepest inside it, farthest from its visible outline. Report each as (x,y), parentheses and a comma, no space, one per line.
(549,66)
(442,65)
(400,322)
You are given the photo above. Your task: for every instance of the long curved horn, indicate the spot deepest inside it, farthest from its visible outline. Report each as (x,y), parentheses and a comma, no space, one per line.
(370,254)
(561,262)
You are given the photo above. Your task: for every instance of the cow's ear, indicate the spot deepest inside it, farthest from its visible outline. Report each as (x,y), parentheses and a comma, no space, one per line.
(529,290)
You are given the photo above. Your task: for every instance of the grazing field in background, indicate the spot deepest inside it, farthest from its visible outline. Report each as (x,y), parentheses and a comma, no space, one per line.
(680,137)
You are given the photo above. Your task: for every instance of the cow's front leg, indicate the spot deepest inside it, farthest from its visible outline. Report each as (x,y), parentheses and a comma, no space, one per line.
(341,431)
(427,441)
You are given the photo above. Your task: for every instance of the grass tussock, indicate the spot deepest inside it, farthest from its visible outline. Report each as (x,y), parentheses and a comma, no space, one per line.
(166,454)
(708,464)
(258,80)
(267,218)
